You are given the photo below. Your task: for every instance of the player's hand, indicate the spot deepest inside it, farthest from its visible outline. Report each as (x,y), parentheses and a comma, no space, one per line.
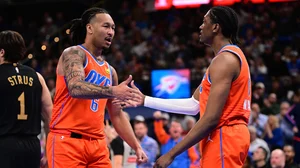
(44,163)
(163,161)
(123,92)
(124,103)
(141,98)
(141,156)
(138,100)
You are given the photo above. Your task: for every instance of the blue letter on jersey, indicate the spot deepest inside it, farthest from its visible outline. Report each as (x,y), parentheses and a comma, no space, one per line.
(98,79)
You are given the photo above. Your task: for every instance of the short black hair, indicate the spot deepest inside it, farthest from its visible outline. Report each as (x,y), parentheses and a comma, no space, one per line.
(13,44)
(78,30)
(289,146)
(228,20)
(264,151)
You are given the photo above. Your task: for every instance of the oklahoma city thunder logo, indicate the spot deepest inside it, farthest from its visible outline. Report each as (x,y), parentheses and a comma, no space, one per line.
(169,84)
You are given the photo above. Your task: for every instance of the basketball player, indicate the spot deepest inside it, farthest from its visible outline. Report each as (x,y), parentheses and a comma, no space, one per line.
(85,85)
(25,100)
(224,98)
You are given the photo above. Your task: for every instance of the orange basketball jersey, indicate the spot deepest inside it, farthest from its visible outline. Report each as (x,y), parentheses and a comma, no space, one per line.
(83,116)
(237,106)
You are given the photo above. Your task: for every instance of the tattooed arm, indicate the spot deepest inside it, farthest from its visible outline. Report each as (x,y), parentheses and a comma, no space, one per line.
(73,59)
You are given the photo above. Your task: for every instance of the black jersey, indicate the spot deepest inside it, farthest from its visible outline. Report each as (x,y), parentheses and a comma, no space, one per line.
(20,101)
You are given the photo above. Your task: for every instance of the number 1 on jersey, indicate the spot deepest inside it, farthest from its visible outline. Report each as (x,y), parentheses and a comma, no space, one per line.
(22,115)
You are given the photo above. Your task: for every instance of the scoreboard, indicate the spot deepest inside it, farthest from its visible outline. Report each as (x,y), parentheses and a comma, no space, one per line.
(167,4)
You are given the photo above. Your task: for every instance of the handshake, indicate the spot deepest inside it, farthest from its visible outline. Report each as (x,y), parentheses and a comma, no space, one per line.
(126,96)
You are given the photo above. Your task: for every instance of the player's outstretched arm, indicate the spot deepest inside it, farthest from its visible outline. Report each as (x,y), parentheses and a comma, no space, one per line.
(73,59)
(188,106)
(222,71)
(123,127)
(47,104)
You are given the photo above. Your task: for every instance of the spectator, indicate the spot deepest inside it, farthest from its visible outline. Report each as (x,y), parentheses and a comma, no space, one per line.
(277,159)
(279,89)
(256,142)
(260,158)
(285,125)
(188,123)
(258,94)
(294,64)
(271,105)
(148,144)
(123,155)
(289,156)
(294,116)
(165,117)
(187,159)
(273,135)
(257,119)
(260,69)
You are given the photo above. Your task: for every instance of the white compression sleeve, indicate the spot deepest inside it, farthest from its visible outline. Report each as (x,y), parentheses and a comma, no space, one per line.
(188,106)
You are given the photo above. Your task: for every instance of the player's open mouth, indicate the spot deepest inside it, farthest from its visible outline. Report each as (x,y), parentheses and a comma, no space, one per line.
(108,40)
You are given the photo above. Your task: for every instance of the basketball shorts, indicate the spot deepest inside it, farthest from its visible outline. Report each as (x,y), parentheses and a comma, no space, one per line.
(20,152)
(226,147)
(66,151)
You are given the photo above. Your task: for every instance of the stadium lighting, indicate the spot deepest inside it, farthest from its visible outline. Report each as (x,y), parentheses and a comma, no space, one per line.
(56,39)
(68,31)
(44,47)
(30,56)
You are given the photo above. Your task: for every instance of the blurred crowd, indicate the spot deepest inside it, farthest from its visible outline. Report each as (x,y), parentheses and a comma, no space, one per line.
(147,40)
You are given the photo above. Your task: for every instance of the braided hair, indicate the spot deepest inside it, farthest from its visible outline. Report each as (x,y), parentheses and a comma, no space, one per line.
(78,26)
(228,20)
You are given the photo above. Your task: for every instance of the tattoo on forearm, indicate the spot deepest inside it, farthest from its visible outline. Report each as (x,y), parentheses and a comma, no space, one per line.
(74,72)
(73,75)
(87,90)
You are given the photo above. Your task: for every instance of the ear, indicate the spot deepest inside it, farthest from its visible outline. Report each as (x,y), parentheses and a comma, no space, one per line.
(89,28)
(2,52)
(216,28)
